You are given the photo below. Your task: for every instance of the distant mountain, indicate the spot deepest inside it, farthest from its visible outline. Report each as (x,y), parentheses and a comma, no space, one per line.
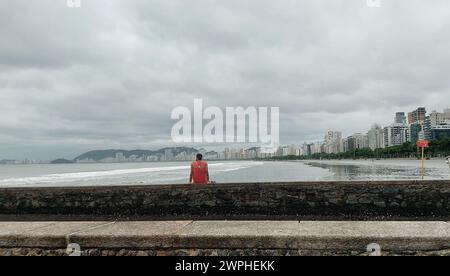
(61,161)
(117,155)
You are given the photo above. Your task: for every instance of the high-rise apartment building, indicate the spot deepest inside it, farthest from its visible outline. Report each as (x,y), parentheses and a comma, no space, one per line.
(396,135)
(333,142)
(348,144)
(417,115)
(400,118)
(417,132)
(440,132)
(376,137)
(356,141)
(361,140)
(427,128)
(440,118)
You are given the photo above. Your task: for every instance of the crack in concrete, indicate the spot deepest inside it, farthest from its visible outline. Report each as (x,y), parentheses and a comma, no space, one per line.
(178,231)
(68,236)
(50,224)
(183,227)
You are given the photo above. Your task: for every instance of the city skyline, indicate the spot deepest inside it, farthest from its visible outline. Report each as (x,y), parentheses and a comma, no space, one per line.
(403,128)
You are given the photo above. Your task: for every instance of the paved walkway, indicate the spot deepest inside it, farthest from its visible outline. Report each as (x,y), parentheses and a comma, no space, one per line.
(266,235)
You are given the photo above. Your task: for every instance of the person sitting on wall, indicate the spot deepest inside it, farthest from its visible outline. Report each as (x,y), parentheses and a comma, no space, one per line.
(199,171)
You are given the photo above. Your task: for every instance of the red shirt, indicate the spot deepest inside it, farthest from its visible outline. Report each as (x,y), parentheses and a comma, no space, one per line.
(199,170)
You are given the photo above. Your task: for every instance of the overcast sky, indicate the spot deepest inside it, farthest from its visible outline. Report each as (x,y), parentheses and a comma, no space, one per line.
(108,74)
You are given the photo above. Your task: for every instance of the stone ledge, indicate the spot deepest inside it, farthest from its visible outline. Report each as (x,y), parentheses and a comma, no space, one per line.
(284,237)
(144,187)
(384,200)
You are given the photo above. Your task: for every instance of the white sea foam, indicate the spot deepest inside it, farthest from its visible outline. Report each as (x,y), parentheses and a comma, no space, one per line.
(123,173)
(89,175)
(249,165)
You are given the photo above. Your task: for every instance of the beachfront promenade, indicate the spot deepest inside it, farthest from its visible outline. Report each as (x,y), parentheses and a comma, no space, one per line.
(309,218)
(235,238)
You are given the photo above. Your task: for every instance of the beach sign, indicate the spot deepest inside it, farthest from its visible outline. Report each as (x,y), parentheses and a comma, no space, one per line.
(423,144)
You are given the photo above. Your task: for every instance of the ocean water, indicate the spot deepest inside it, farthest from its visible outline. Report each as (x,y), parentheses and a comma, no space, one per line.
(383,169)
(221,172)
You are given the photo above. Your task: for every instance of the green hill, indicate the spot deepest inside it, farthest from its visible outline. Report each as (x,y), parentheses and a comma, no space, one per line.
(98,155)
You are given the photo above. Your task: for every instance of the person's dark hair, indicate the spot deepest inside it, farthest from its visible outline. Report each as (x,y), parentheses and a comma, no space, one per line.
(199,156)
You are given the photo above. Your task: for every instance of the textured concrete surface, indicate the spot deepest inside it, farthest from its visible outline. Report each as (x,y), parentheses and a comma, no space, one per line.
(411,200)
(41,234)
(154,234)
(224,237)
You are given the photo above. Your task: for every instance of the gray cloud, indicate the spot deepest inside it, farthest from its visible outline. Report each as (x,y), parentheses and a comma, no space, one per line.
(108,74)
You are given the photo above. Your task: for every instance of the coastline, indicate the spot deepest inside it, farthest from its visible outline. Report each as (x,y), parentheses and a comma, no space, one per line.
(397,162)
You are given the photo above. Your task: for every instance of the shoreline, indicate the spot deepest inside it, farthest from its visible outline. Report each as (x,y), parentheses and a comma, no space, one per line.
(397,162)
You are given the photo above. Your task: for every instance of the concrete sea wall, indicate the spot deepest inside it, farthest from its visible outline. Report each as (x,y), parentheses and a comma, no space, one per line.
(225,238)
(381,200)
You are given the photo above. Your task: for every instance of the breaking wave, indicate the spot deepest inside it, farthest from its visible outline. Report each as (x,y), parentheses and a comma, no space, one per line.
(162,173)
